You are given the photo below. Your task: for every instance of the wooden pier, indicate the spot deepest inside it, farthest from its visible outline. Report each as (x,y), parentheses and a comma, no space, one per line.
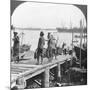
(22,72)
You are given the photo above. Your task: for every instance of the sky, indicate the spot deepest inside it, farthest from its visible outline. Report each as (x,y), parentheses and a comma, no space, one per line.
(46,15)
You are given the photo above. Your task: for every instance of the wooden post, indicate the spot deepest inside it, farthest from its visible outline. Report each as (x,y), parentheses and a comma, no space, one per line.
(58,72)
(21,83)
(45,78)
(71,61)
(81,36)
(72,42)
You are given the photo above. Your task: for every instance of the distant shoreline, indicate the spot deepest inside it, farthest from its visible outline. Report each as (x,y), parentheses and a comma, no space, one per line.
(66,30)
(74,30)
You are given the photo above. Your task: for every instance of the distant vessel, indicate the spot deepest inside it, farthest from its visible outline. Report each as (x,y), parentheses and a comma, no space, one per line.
(75,41)
(78,36)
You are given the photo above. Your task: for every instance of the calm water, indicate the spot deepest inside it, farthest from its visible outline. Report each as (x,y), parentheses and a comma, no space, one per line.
(31,38)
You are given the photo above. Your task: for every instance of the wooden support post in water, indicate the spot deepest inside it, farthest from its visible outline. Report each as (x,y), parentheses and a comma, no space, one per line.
(21,83)
(45,78)
(71,61)
(58,72)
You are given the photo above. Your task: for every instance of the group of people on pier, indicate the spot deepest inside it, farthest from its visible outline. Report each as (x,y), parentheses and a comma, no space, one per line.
(41,52)
(51,47)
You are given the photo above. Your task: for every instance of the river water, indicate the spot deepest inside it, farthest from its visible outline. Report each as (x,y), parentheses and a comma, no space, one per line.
(31,37)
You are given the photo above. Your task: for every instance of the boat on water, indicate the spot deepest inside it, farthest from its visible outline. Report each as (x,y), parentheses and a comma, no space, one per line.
(78,36)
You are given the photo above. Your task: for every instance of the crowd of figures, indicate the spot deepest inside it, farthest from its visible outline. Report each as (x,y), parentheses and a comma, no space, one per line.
(51,52)
(52,49)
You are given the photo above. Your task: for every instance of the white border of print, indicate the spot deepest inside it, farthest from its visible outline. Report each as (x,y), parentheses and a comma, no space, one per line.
(5,43)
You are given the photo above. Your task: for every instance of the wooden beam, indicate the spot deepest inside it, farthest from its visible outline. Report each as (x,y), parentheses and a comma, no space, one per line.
(20,68)
(36,81)
(25,65)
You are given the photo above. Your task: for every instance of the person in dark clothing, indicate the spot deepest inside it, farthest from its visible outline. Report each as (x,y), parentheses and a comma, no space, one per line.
(64,49)
(48,44)
(50,47)
(16,47)
(41,44)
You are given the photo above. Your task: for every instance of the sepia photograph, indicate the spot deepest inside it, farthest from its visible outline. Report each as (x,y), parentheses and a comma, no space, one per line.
(48,44)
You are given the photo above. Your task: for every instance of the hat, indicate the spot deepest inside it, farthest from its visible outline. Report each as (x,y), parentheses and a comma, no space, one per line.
(15,33)
(48,35)
(41,33)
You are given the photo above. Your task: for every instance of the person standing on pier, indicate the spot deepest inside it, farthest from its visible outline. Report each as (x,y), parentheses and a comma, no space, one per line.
(40,49)
(64,48)
(16,47)
(53,46)
(50,51)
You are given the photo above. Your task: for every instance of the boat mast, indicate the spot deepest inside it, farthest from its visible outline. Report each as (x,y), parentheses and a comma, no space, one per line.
(81,34)
(72,38)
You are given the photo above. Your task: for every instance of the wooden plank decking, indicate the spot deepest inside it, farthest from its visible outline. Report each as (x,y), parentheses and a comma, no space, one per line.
(27,71)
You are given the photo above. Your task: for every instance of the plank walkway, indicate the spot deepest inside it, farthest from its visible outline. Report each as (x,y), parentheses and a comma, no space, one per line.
(26,70)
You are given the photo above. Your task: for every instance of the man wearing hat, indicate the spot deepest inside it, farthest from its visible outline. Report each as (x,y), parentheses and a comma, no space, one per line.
(16,47)
(41,44)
